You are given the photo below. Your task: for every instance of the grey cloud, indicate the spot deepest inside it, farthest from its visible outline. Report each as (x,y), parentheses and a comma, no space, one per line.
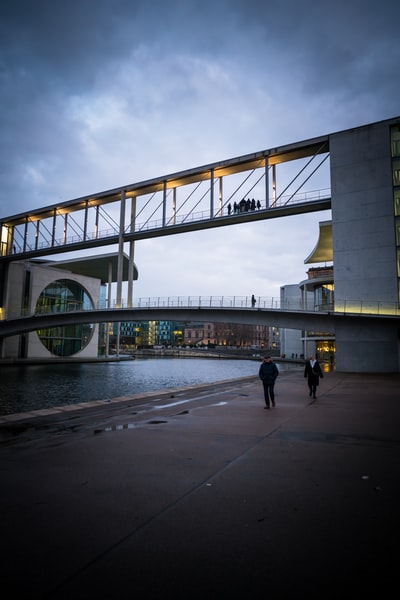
(281,70)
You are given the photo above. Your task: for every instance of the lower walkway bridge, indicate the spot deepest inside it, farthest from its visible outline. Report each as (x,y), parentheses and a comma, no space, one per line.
(231,309)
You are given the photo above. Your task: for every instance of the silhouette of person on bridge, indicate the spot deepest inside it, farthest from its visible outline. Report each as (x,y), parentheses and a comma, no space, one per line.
(253,301)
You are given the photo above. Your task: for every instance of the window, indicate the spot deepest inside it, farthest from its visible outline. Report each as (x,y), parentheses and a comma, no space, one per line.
(64,295)
(323,297)
(396,172)
(397,203)
(398,231)
(395,139)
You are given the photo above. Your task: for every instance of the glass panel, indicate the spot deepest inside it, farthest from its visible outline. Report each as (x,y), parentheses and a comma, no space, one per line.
(396,172)
(395,138)
(398,231)
(323,297)
(398,262)
(59,296)
(397,203)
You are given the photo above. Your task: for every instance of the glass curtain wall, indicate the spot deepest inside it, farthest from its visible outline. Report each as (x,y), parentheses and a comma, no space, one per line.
(64,295)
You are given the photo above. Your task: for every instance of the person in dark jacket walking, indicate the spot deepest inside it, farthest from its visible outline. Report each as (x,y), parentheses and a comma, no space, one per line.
(313,372)
(268,373)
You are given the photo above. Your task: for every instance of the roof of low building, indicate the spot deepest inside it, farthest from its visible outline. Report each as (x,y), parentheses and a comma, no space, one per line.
(98,266)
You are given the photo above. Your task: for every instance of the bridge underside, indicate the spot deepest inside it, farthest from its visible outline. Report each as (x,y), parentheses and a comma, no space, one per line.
(361,340)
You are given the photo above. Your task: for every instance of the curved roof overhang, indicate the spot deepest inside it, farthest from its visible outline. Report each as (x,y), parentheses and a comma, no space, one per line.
(323,251)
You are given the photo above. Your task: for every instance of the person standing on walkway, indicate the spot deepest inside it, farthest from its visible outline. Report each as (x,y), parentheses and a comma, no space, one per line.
(313,372)
(268,373)
(253,301)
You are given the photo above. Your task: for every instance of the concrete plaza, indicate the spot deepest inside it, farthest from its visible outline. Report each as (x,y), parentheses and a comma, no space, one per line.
(201,492)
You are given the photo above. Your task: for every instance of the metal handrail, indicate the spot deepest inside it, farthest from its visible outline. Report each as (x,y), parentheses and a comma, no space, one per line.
(354,307)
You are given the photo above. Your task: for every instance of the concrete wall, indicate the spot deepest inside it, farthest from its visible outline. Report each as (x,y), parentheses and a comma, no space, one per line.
(13,303)
(364,248)
(367,349)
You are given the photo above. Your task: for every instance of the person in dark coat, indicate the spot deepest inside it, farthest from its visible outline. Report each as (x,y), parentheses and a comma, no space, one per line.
(313,372)
(268,373)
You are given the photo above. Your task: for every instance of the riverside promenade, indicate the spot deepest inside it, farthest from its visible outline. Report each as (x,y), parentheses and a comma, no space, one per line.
(202,493)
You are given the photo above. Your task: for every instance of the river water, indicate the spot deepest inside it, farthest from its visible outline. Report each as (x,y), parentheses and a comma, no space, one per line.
(31,387)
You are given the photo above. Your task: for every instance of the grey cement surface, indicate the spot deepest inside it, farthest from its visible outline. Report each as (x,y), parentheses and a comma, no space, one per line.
(202,493)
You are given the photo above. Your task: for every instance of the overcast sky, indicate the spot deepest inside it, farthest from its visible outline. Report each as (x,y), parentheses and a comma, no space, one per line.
(97,94)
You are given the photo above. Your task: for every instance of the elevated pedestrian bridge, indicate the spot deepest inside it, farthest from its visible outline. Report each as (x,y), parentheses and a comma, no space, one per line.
(235,309)
(243,189)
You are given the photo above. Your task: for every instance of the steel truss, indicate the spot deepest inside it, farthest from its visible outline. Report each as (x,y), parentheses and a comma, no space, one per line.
(228,192)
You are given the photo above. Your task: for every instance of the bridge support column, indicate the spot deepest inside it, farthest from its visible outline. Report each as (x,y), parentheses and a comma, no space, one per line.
(164,205)
(120,250)
(273,185)
(131,267)
(107,348)
(220,196)
(367,347)
(211,193)
(120,262)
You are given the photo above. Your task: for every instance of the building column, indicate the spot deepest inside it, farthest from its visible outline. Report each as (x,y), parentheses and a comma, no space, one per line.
(109,291)
(266,182)
(131,267)
(120,250)
(211,193)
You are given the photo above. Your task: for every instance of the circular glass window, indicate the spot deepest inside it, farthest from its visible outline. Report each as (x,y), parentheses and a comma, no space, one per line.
(64,295)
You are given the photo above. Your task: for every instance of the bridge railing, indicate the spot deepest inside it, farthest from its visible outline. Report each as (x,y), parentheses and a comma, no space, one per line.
(354,307)
(206,302)
(357,306)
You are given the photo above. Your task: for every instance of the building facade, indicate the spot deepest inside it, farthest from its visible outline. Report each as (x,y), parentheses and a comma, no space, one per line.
(40,287)
(365,182)
(363,241)
(316,293)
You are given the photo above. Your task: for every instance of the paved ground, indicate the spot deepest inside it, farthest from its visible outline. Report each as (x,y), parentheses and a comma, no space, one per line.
(203,493)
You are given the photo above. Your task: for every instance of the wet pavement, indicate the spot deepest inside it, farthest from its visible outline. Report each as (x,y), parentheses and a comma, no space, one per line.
(203,493)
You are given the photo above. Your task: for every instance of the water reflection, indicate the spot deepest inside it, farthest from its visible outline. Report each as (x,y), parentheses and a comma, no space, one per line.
(32,387)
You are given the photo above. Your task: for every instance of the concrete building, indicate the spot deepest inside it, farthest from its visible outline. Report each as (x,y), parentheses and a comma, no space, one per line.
(363,240)
(365,183)
(37,287)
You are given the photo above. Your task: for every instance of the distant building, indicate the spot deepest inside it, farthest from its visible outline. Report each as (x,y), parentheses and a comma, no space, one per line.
(196,334)
(144,334)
